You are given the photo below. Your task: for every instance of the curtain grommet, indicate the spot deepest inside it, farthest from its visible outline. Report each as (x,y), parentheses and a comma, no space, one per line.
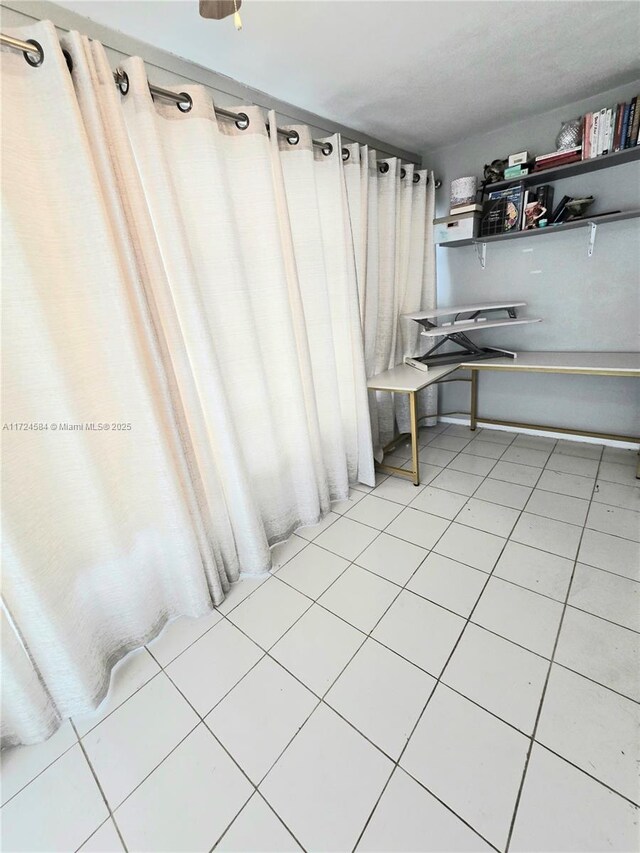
(416,178)
(186,105)
(293,138)
(68,60)
(34,61)
(345,154)
(383,168)
(242,122)
(122,80)
(327,149)
(403,173)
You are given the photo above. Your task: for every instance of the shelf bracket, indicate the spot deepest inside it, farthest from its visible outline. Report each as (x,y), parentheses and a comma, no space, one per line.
(593,227)
(481,251)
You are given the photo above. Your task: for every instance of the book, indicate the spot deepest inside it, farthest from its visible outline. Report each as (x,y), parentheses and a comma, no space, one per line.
(636,124)
(502,211)
(602,126)
(632,115)
(594,133)
(562,152)
(465,208)
(625,125)
(607,132)
(616,136)
(560,209)
(544,194)
(552,164)
(586,136)
(515,171)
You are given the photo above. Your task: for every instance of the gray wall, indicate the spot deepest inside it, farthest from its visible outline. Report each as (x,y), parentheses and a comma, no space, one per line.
(165,69)
(586,303)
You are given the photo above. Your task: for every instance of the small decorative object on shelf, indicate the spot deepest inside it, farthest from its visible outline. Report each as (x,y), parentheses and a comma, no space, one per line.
(520,159)
(533,213)
(463,192)
(570,135)
(577,207)
(494,171)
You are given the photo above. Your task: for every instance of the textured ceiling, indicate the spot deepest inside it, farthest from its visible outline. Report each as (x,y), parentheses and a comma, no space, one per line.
(417,74)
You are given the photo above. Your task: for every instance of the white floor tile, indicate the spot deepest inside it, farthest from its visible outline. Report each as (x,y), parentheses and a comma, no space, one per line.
(317,648)
(392,558)
(488,449)
(470,760)
(103,840)
(525,456)
(179,634)
(326,783)
(460,431)
(374,511)
(593,728)
(563,809)
(132,741)
(340,507)
(535,442)
(475,548)
(188,802)
(420,631)
(130,674)
(615,521)
(269,612)
(450,442)
(313,570)
(257,828)
(58,811)
(498,436)
(557,537)
(314,530)
(488,517)
(601,651)
(572,485)
(505,494)
(511,472)
(469,464)
(560,507)
(397,489)
(256,721)
(382,695)
(359,597)
(538,570)
(500,676)
(606,595)
(347,538)
(379,478)
(436,455)
(213,665)
(620,455)
(284,551)
(572,465)
(448,583)
(621,556)
(457,481)
(240,590)
(427,472)
(584,449)
(438,502)
(418,527)
(614,494)
(411,820)
(20,764)
(519,615)
(612,472)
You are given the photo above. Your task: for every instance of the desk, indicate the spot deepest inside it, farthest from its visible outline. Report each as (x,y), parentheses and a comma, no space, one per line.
(404,379)
(577,363)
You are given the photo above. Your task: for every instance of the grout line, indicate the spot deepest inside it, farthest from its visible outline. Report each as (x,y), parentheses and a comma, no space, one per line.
(102,793)
(546,683)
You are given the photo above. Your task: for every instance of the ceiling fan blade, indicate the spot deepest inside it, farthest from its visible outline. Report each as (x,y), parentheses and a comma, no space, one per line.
(218,9)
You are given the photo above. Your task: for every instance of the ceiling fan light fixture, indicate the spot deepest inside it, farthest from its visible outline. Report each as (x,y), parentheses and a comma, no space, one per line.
(219,9)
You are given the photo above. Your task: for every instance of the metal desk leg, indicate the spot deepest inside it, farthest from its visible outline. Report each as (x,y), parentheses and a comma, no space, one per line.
(474,399)
(413,417)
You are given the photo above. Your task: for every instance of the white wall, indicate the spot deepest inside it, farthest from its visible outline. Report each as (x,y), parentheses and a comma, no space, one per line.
(586,303)
(165,69)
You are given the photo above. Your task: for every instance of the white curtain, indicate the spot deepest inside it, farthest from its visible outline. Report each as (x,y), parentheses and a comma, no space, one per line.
(170,272)
(392,208)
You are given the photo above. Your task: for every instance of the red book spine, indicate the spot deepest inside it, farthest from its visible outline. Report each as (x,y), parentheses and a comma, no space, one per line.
(618,129)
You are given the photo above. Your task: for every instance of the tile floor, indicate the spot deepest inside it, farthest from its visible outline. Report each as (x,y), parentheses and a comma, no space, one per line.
(453,667)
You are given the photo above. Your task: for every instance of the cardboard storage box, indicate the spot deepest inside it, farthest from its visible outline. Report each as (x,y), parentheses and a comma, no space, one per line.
(449,229)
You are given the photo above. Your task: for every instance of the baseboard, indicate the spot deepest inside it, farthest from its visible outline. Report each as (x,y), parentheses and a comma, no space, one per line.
(463,419)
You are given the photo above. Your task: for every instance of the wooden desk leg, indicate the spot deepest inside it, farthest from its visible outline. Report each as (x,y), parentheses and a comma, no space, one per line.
(413,417)
(474,399)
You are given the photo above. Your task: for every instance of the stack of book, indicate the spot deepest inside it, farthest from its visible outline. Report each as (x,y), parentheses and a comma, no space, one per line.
(557,158)
(460,209)
(611,129)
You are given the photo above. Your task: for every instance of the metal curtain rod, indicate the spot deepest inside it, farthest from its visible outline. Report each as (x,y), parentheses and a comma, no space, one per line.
(34,55)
